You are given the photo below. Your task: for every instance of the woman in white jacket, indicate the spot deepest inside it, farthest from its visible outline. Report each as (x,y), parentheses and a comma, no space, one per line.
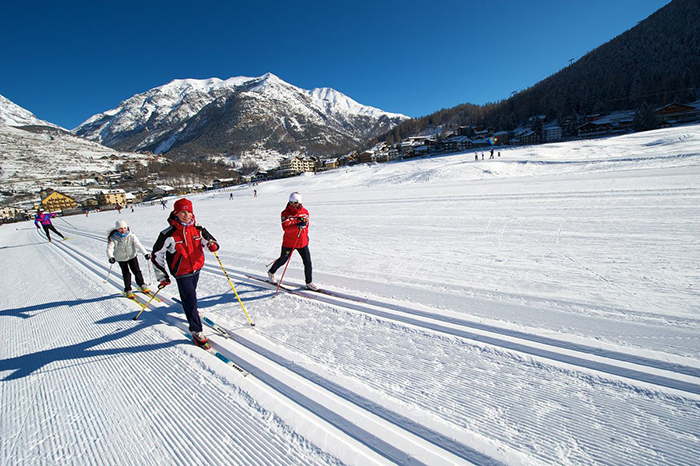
(123,246)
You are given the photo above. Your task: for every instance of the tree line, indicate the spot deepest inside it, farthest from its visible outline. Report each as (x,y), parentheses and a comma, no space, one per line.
(653,64)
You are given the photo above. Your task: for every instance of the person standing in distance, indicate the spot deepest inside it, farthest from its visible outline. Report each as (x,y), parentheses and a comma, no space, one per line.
(181,248)
(295,223)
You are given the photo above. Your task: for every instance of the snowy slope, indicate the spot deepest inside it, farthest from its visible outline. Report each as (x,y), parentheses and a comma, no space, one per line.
(36,154)
(539,308)
(12,114)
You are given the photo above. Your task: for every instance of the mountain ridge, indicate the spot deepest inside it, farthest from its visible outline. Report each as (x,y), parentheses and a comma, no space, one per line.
(237,117)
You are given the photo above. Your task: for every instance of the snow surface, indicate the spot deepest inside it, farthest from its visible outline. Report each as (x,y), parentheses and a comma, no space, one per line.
(539,308)
(12,114)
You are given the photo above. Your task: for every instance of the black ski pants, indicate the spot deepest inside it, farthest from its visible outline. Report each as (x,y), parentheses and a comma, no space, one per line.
(187,286)
(305,257)
(132,264)
(52,228)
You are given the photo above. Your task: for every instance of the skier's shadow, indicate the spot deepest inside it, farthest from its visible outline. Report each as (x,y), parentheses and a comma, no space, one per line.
(30,311)
(23,245)
(27,364)
(227,297)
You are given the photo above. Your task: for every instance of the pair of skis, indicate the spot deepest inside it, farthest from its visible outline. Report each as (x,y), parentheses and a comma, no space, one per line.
(306,293)
(217,328)
(224,333)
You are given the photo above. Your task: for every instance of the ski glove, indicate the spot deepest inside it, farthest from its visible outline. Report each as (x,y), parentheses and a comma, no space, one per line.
(213,247)
(112,260)
(302,224)
(163,283)
(147,256)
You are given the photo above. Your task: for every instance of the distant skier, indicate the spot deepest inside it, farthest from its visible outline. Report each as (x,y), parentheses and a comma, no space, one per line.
(476,156)
(123,246)
(295,222)
(230,197)
(44,219)
(255,193)
(180,247)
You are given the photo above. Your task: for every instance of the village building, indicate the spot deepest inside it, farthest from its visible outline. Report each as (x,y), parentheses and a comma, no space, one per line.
(456,143)
(298,164)
(366,157)
(112,197)
(163,190)
(328,164)
(675,113)
(54,201)
(551,132)
(7,213)
(615,123)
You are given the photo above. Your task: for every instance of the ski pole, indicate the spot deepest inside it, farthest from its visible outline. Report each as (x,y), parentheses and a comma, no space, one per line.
(279,283)
(146,305)
(150,273)
(234,289)
(108,273)
(69,224)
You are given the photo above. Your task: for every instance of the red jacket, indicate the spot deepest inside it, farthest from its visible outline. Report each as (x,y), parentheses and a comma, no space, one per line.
(291,216)
(181,248)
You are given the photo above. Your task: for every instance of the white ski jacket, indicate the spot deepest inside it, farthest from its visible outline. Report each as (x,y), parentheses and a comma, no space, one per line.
(124,248)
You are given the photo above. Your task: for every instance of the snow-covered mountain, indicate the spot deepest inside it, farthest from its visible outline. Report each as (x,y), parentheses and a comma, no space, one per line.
(35,154)
(239,116)
(12,114)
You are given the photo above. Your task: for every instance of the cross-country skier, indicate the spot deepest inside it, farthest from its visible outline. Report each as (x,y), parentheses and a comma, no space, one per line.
(181,248)
(44,219)
(295,223)
(123,246)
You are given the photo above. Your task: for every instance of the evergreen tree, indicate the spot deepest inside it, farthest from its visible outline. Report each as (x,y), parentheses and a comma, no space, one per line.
(644,119)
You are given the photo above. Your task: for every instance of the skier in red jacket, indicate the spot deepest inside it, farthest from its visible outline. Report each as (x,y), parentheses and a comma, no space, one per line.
(295,223)
(181,248)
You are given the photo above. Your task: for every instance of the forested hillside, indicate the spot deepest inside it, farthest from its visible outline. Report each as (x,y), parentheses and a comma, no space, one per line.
(655,63)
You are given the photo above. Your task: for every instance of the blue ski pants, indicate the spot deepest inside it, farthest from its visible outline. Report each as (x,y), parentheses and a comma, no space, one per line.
(187,286)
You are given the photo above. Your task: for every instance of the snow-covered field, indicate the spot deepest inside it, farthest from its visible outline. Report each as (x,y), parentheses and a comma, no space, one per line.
(32,159)
(539,308)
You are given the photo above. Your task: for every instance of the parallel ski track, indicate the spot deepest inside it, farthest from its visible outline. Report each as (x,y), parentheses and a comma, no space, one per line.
(349,413)
(635,371)
(635,367)
(630,366)
(79,407)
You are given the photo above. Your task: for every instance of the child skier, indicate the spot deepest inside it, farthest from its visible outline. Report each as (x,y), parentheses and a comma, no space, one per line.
(123,246)
(44,219)
(181,248)
(295,222)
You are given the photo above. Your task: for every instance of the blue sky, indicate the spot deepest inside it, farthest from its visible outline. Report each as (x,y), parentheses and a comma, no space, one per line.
(66,61)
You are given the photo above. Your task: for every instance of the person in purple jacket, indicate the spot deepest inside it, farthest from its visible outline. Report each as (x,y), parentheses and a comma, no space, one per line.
(44,219)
